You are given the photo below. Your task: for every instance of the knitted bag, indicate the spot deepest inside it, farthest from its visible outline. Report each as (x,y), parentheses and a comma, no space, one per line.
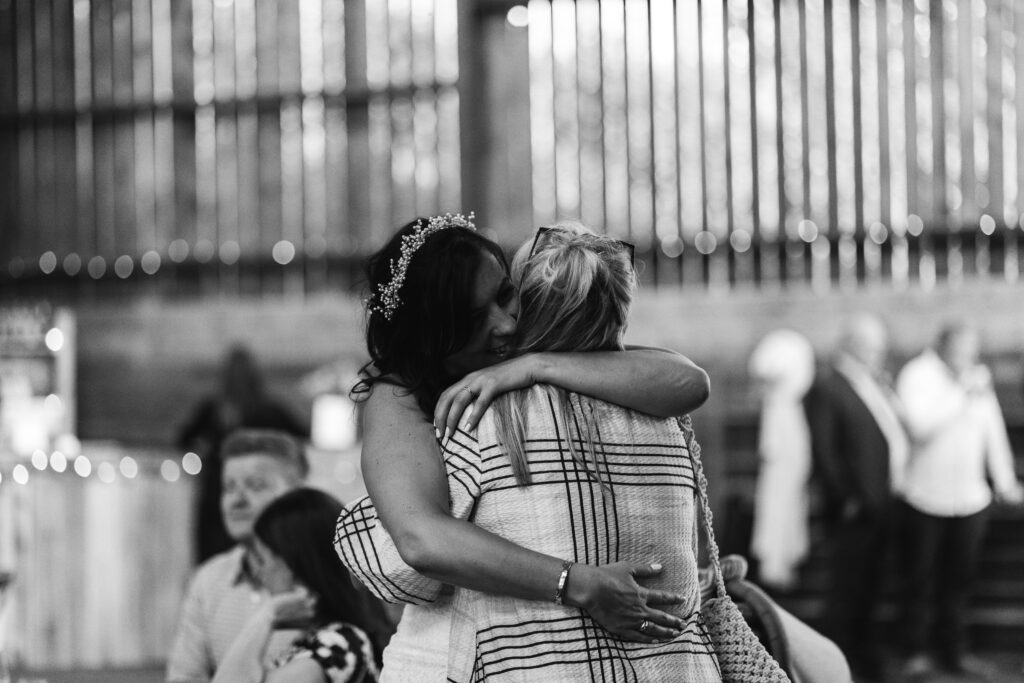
(741,656)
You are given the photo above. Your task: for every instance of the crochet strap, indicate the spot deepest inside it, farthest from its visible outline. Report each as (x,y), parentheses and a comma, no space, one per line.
(702,494)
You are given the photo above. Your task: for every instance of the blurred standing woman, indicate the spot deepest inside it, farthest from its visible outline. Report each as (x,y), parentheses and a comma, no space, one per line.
(578,478)
(443,311)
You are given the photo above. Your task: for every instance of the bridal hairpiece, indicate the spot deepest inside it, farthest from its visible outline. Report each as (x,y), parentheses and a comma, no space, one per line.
(386,301)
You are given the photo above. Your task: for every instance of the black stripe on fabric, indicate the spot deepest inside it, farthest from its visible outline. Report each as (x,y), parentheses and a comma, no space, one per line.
(372,567)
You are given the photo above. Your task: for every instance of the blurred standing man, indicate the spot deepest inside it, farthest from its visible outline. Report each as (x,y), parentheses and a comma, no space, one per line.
(859,449)
(959,443)
(259,466)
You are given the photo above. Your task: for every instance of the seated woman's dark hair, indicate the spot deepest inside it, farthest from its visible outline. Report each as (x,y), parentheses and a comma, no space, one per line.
(299,528)
(433,319)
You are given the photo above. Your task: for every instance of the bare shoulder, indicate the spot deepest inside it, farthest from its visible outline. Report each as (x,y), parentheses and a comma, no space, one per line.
(394,430)
(388,405)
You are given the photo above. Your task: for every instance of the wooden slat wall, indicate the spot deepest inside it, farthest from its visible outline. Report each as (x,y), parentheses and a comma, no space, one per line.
(100,564)
(827,143)
(219,148)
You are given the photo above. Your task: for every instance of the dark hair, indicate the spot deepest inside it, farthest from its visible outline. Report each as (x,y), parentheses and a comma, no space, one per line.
(434,317)
(270,442)
(299,528)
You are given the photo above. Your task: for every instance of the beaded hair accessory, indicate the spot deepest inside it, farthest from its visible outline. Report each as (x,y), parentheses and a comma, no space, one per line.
(386,301)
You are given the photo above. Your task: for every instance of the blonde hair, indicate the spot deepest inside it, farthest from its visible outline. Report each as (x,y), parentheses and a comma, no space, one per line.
(575,291)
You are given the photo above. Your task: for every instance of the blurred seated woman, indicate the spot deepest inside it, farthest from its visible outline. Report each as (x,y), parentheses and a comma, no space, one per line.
(345,629)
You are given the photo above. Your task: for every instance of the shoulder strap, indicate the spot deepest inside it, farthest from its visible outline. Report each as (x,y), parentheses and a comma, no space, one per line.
(702,495)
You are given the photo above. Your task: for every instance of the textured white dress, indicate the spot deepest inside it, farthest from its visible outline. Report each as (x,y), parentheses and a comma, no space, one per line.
(647,513)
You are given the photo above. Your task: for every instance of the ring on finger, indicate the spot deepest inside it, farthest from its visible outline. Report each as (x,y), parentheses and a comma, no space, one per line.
(643,626)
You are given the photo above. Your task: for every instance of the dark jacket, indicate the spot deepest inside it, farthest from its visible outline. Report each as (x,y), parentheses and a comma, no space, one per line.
(850,452)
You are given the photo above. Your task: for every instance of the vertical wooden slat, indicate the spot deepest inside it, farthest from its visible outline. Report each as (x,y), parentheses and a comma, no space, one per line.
(588,68)
(1007,41)
(204,251)
(65,214)
(402,159)
(311,28)
(25,244)
(770,178)
(895,156)
(759,179)
(566,112)
(742,139)
(338,225)
(715,105)
(42,47)
(818,143)
(268,147)
(425,121)
(247,158)
(357,123)
(872,231)
(832,227)
(458,129)
(909,160)
(226,234)
(289,60)
(858,268)
(8,134)
(379,124)
(794,202)
(705,213)
(8,65)
(614,122)
(994,79)
(689,150)
(402,166)
(719,258)
(314,192)
(104,155)
(124,237)
(145,134)
(542,134)
(882,114)
(47,193)
(292,209)
(661,82)
(937,79)
(450,145)
(1018,69)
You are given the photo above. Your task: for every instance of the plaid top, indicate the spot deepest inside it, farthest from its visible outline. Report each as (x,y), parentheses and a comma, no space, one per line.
(647,513)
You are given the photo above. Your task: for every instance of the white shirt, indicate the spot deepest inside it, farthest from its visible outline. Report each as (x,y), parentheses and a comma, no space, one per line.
(957,438)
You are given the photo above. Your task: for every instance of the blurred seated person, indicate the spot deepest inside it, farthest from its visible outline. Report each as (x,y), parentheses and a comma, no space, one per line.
(344,628)
(241,402)
(227,589)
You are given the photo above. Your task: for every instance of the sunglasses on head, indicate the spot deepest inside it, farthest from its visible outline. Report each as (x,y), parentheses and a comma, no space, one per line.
(542,230)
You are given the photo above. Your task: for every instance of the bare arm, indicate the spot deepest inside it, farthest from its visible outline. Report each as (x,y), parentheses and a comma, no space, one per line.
(405,478)
(243,662)
(654,381)
(189,659)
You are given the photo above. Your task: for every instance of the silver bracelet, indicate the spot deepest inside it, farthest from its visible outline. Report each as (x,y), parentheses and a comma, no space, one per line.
(563,578)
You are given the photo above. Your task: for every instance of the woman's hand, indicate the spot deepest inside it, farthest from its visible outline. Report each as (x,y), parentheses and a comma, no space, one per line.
(611,595)
(291,609)
(473,394)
